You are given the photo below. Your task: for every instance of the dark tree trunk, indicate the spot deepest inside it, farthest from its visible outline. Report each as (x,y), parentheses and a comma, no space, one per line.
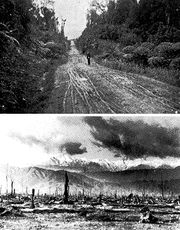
(12,189)
(66,189)
(32,198)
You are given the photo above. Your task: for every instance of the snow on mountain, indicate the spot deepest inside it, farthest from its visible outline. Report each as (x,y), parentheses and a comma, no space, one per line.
(81,172)
(83,165)
(97,165)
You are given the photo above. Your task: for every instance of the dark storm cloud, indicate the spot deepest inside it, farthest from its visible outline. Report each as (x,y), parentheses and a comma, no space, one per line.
(135,139)
(73,148)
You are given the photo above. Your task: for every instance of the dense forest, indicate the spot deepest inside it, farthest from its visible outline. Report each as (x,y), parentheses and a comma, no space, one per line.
(30,47)
(139,36)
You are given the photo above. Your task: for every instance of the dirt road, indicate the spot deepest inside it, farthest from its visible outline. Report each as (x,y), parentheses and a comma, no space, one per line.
(80,88)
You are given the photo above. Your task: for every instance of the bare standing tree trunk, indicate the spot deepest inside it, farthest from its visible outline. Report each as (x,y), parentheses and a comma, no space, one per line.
(162,185)
(26,190)
(12,187)
(66,189)
(32,198)
(7,174)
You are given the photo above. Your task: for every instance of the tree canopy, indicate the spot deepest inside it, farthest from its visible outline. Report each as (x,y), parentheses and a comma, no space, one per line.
(145,20)
(25,30)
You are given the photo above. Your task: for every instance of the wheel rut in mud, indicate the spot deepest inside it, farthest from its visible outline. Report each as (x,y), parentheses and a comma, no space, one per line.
(94,89)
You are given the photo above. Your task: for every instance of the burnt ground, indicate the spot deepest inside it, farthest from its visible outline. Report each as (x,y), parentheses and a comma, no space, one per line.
(48,213)
(80,88)
(66,221)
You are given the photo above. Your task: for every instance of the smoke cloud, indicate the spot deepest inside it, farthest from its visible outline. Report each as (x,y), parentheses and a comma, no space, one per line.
(29,140)
(73,148)
(135,138)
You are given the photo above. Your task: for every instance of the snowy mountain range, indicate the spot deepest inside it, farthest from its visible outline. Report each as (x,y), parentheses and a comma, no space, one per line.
(98,165)
(92,175)
(82,165)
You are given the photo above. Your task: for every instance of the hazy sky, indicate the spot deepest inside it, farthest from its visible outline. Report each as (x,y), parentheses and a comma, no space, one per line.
(75,12)
(34,139)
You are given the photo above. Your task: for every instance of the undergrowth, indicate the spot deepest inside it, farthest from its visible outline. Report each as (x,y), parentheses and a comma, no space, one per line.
(170,76)
(27,81)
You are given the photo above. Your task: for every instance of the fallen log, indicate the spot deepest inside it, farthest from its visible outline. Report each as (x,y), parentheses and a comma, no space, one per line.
(112,209)
(52,210)
(166,212)
(150,205)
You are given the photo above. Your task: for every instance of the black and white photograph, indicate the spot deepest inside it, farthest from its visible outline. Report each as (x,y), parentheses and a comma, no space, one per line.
(90,56)
(89,114)
(90,172)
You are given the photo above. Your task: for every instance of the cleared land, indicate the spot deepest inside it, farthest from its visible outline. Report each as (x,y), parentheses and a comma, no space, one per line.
(66,221)
(80,88)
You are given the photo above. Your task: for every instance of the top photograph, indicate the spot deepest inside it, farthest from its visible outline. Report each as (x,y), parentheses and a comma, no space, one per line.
(90,56)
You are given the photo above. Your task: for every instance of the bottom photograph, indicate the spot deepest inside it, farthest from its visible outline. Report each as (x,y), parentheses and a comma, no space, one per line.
(90,172)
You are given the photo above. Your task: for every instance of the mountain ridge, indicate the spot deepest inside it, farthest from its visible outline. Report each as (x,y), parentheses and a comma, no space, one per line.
(84,165)
(51,177)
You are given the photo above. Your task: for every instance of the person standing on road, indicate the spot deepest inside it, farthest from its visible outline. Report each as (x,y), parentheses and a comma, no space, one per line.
(89,58)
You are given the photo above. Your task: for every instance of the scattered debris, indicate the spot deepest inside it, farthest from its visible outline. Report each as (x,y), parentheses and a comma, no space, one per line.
(147,216)
(11,212)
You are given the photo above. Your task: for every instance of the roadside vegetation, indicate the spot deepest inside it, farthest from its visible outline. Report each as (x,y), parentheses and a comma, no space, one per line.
(139,37)
(31,48)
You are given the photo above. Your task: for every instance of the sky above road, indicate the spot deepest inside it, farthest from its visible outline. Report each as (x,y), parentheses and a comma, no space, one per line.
(34,139)
(74,11)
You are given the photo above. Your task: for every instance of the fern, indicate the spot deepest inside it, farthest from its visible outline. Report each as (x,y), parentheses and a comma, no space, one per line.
(9,37)
(3,27)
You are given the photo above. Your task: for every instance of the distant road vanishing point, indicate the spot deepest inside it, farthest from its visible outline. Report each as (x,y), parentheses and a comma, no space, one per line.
(94,89)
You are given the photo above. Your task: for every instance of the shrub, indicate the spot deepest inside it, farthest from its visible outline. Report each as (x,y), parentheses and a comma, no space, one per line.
(128,39)
(7,41)
(118,54)
(175,63)
(43,51)
(158,62)
(128,49)
(55,48)
(168,50)
(148,45)
(176,49)
(104,56)
(140,55)
(176,35)
(164,50)
(170,76)
(128,57)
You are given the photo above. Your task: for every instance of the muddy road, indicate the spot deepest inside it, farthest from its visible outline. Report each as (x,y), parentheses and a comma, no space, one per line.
(80,88)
